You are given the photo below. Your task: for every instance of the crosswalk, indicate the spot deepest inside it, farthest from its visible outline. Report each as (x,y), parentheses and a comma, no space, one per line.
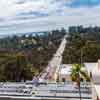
(49,91)
(64,91)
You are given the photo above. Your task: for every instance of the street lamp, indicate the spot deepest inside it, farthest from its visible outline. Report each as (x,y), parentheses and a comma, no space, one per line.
(81,56)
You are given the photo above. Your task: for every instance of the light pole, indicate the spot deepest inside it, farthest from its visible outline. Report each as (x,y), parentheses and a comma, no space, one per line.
(81,56)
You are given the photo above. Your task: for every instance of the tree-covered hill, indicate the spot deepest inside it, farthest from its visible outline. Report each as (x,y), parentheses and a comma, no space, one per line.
(83,45)
(22,57)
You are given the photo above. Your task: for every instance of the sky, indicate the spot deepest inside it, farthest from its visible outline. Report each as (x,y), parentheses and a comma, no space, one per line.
(21,16)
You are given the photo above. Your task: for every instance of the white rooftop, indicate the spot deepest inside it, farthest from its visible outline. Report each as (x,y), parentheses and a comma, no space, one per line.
(94,68)
(65,69)
(90,66)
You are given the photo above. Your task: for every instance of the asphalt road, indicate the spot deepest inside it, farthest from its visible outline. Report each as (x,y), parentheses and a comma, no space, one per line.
(51,71)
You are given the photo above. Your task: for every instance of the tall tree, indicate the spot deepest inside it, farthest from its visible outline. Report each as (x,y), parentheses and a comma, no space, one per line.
(78,74)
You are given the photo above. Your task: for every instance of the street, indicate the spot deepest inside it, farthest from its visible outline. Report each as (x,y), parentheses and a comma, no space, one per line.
(52,69)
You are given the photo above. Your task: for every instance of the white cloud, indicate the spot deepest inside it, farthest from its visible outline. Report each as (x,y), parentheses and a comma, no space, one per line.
(59,15)
(11,7)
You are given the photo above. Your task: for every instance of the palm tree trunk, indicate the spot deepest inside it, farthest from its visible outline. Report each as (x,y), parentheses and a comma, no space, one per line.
(79,90)
(79,85)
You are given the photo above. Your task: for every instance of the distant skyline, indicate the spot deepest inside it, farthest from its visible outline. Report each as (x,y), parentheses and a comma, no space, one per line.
(20,16)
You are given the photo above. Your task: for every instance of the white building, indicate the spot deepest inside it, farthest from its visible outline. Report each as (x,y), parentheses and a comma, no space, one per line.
(64,72)
(94,72)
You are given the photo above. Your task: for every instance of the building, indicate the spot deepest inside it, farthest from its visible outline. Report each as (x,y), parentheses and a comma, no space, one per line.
(94,72)
(64,72)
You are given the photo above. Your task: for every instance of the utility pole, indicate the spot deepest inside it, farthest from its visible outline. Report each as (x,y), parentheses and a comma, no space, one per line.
(81,56)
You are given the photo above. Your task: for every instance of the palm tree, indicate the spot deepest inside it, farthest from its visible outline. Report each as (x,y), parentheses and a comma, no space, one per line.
(78,74)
